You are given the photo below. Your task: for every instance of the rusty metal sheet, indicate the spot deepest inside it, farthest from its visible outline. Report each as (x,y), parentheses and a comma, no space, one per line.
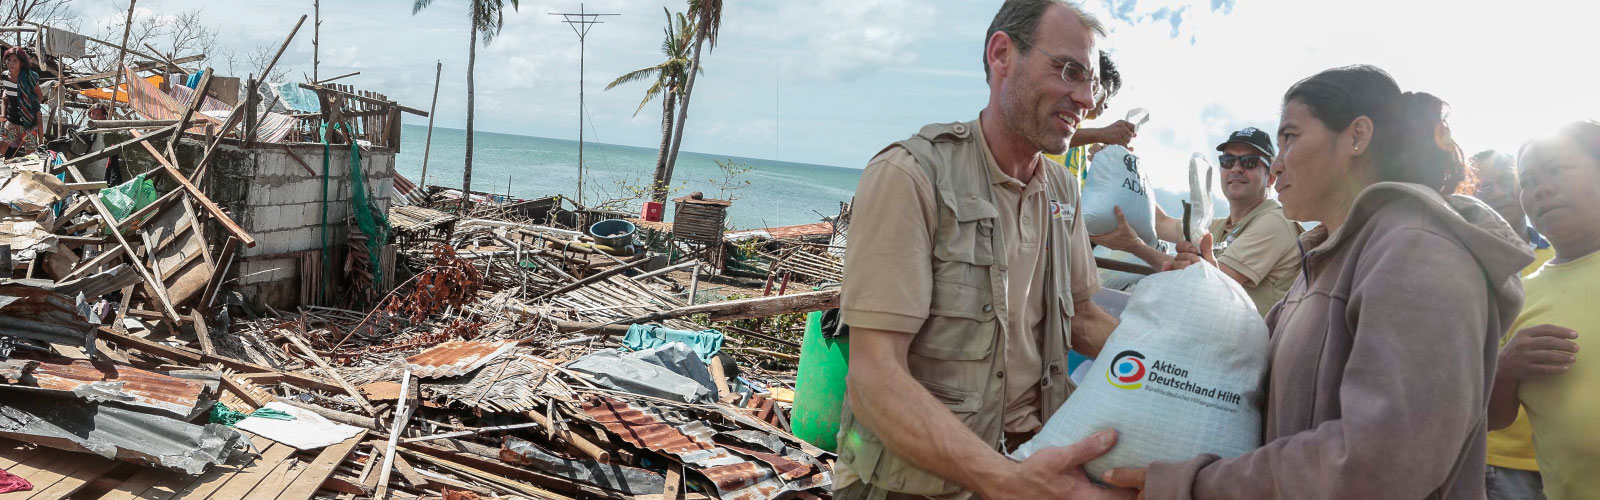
(734,476)
(122,384)
(457,357)
(614,477)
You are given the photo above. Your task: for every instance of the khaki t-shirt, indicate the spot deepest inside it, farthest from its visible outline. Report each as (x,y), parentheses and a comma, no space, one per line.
(889,276)
(1262,247)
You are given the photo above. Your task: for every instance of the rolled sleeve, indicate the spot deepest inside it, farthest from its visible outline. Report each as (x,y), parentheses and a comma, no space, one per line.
(1258,249)
(888,279)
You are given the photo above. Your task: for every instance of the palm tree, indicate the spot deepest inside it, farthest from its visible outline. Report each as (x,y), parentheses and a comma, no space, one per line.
(707,16)
(488,16)
(669,76)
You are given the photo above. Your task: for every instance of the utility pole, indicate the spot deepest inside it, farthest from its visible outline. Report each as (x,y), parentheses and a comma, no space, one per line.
(427,145)
(580,21)
(316,40)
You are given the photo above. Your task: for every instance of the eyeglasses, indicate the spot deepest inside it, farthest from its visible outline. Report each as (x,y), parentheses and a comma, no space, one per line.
(1072,72)
(1249,162)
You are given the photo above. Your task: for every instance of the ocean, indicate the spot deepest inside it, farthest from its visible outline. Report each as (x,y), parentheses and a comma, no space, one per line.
(779,193)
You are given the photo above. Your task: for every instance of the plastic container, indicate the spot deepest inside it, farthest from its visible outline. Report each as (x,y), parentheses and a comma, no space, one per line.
(616,233)
(652,211)
(819,385)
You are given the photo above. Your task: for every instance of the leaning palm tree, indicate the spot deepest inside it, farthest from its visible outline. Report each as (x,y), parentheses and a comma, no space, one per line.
(707,15)
(668,81)
(488,16)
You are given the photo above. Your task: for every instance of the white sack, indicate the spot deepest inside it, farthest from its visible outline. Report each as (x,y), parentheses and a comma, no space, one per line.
(1116,181)
(1181,376)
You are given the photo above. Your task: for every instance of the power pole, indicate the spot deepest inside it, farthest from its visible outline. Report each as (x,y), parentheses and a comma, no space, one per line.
(316,39)
(580,21)
(427,145)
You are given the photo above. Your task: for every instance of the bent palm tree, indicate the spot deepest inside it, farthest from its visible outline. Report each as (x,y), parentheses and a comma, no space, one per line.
(707,15)
(488,16)
(669,77)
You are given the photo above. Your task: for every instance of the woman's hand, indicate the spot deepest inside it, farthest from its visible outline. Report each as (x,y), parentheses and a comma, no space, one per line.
(1539,351)
(1189,255)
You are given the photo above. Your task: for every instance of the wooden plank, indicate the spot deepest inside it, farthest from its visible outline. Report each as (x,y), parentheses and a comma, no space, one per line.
(401,416)
(294,338)
(320,470)
(408,472)
(176,486)
(674,488)
(138,483)
(93,467)
(46,470)
(219,273)
(247,476)
(204,333)
(189,356)
(276,481)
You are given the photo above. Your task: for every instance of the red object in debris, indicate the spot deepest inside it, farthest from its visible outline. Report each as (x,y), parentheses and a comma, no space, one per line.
(11,482)
(652,211)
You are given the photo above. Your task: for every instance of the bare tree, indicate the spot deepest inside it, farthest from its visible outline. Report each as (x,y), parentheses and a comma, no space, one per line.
(169,36)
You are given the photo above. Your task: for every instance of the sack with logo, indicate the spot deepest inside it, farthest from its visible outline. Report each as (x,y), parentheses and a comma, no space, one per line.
(1180,376)
(1116,181)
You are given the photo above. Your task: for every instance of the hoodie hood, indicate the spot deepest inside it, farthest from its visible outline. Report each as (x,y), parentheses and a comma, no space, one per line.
(1499,251)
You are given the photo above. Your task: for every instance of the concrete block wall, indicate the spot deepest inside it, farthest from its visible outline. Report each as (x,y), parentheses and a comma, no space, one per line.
(279,202)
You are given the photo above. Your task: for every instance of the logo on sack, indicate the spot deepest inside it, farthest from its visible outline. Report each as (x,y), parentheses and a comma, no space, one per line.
(1127,369)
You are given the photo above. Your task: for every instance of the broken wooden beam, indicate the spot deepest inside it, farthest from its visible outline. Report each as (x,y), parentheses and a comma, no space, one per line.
(759,307)
(205,201)
(331,373)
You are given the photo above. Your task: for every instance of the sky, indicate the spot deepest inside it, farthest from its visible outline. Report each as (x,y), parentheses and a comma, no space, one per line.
(832,82)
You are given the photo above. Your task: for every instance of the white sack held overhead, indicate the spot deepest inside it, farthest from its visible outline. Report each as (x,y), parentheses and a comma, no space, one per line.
(1115,181)
(1181,376)
(1202,183)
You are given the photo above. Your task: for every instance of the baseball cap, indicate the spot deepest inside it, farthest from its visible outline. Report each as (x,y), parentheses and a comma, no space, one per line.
(1253,137)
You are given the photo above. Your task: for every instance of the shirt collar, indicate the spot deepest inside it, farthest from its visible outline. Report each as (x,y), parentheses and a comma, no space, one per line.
(999,177)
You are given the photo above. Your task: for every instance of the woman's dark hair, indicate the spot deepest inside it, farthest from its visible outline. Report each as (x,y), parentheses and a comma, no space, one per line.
(1585,133)
(22,55)
(1410,139)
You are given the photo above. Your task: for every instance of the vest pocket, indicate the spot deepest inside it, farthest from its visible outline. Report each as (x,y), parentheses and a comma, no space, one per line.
(966,229)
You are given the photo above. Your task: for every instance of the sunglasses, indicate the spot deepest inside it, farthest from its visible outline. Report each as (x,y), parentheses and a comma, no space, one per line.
(1249,162)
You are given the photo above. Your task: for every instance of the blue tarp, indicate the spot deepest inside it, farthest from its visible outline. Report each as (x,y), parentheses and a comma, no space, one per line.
(295,98)
(706,343)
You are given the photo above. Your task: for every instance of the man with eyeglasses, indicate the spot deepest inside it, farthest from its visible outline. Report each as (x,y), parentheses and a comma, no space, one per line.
(968,278)
(1256,244)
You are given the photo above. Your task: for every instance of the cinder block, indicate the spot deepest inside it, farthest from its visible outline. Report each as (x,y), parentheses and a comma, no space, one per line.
(265,218)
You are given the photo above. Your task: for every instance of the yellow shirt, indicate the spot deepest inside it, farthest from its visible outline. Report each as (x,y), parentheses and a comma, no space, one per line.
(1512,447)
(1076,160)
(1563,408)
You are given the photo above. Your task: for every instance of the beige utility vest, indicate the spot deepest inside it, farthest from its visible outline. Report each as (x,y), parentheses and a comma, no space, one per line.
(959,354)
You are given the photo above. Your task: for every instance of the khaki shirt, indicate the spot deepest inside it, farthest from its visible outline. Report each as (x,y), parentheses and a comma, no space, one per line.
(891,279)
(1262,246)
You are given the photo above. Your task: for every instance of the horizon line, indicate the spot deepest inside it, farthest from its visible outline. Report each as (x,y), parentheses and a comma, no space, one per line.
(863,167)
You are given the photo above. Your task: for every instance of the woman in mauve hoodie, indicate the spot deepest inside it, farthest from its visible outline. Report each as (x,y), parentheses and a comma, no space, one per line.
(1383,352)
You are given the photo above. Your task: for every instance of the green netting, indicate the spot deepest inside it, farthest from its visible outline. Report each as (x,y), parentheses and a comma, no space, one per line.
(371,220)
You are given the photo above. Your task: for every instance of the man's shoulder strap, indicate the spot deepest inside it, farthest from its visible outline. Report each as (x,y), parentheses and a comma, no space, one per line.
(923,146)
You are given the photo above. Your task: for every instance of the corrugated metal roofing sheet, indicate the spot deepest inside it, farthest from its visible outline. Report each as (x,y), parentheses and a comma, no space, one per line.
(457,357)
(734,476)
(121,384)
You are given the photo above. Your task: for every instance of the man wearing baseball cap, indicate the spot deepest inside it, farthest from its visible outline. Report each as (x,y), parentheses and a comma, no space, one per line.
(1256,244)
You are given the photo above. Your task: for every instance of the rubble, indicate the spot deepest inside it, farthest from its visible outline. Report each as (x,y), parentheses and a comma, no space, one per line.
(432,350)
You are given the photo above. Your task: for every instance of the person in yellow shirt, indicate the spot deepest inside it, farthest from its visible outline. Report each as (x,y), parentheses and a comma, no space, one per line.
(1076,158)
(1541,369)
(1499,188)
(1513,472)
